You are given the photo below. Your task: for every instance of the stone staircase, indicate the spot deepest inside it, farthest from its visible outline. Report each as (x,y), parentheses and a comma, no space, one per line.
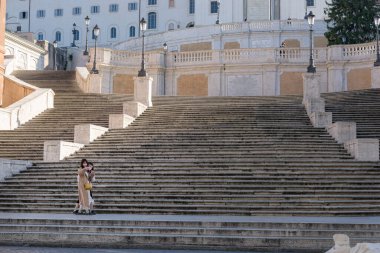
(72,107)
(256,234)
(209,156)
(255,160)
(361,106)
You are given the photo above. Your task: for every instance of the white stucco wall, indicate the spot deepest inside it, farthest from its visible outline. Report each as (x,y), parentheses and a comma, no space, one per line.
(23,54)
(179,16)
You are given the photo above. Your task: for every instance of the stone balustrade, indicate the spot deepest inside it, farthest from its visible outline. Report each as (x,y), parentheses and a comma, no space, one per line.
(231,56)
(239,56)
(214,32)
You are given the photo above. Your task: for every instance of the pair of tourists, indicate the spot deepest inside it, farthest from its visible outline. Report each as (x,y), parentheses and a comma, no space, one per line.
(86,175)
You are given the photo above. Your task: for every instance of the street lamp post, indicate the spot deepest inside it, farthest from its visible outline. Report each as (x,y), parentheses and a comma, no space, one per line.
(377,23)
(55,45)
(217,18)
(165,47)
(74,33)
(96,32)
(142,72)
(87,21)
(310,19)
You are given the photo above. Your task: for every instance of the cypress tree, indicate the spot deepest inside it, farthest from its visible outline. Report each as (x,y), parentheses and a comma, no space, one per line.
(350,21)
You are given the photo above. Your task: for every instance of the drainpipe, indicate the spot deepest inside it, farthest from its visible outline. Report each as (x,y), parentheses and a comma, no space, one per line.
(29,14)
(138,22)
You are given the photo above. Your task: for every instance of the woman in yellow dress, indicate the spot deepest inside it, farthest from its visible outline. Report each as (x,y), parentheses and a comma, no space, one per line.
(82,178)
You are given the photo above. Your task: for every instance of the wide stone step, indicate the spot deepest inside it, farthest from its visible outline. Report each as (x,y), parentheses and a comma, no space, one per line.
(183,234)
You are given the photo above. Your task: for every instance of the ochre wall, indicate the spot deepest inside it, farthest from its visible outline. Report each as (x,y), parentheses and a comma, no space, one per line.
(291,83)
(320,41)
(123,84)
(232,45)
(14,92)
(192,85)
(196,46)
(292,43)
(358,79)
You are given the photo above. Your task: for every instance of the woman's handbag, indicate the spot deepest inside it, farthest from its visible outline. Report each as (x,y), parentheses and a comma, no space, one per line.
(87,186)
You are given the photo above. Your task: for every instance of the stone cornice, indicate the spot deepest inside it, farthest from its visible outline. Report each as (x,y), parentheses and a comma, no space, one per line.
(26,43)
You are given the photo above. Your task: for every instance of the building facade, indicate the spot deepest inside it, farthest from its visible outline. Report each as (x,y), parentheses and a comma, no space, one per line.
(119,19)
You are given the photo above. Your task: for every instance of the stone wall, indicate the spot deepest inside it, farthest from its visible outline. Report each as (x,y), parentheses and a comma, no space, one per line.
(196,46)
(358,79)
(123,84)
(291,83)
(320,41)
(258,9)
(192,85)
(13,92)
(232,45)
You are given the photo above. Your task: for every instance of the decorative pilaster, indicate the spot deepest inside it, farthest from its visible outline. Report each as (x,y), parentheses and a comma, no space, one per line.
(311,87)
(2,46)
(375,74)
(143,90)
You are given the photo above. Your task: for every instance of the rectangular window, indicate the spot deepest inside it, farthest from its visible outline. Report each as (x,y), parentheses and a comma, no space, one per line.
(152,2)
(214,7)
(191,6)
(95,9)
(58,12)
(114,8)
(40,36)
(310,3)
(77,10)
(76,35)
(132,6)
(40,13)
(171,4)
(23,15)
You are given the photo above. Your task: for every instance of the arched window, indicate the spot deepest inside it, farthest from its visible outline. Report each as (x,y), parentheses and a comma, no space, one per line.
(58,36)
(76,35)
(152,20)
(40,36)
(113,32)
(132,31)
(171,27)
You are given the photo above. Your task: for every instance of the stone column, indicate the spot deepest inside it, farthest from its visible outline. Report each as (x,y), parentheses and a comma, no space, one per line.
(143,90)
(2,42)
(375,72)
(311,87)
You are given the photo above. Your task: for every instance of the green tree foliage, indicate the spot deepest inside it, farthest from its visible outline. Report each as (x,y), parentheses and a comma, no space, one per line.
(350,21)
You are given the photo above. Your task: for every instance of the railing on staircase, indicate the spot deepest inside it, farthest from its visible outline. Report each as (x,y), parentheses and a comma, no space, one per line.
(238,56)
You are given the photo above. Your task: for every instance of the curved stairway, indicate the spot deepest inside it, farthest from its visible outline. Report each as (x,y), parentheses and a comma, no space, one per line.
(257,157)
(71,107)
(218,156)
